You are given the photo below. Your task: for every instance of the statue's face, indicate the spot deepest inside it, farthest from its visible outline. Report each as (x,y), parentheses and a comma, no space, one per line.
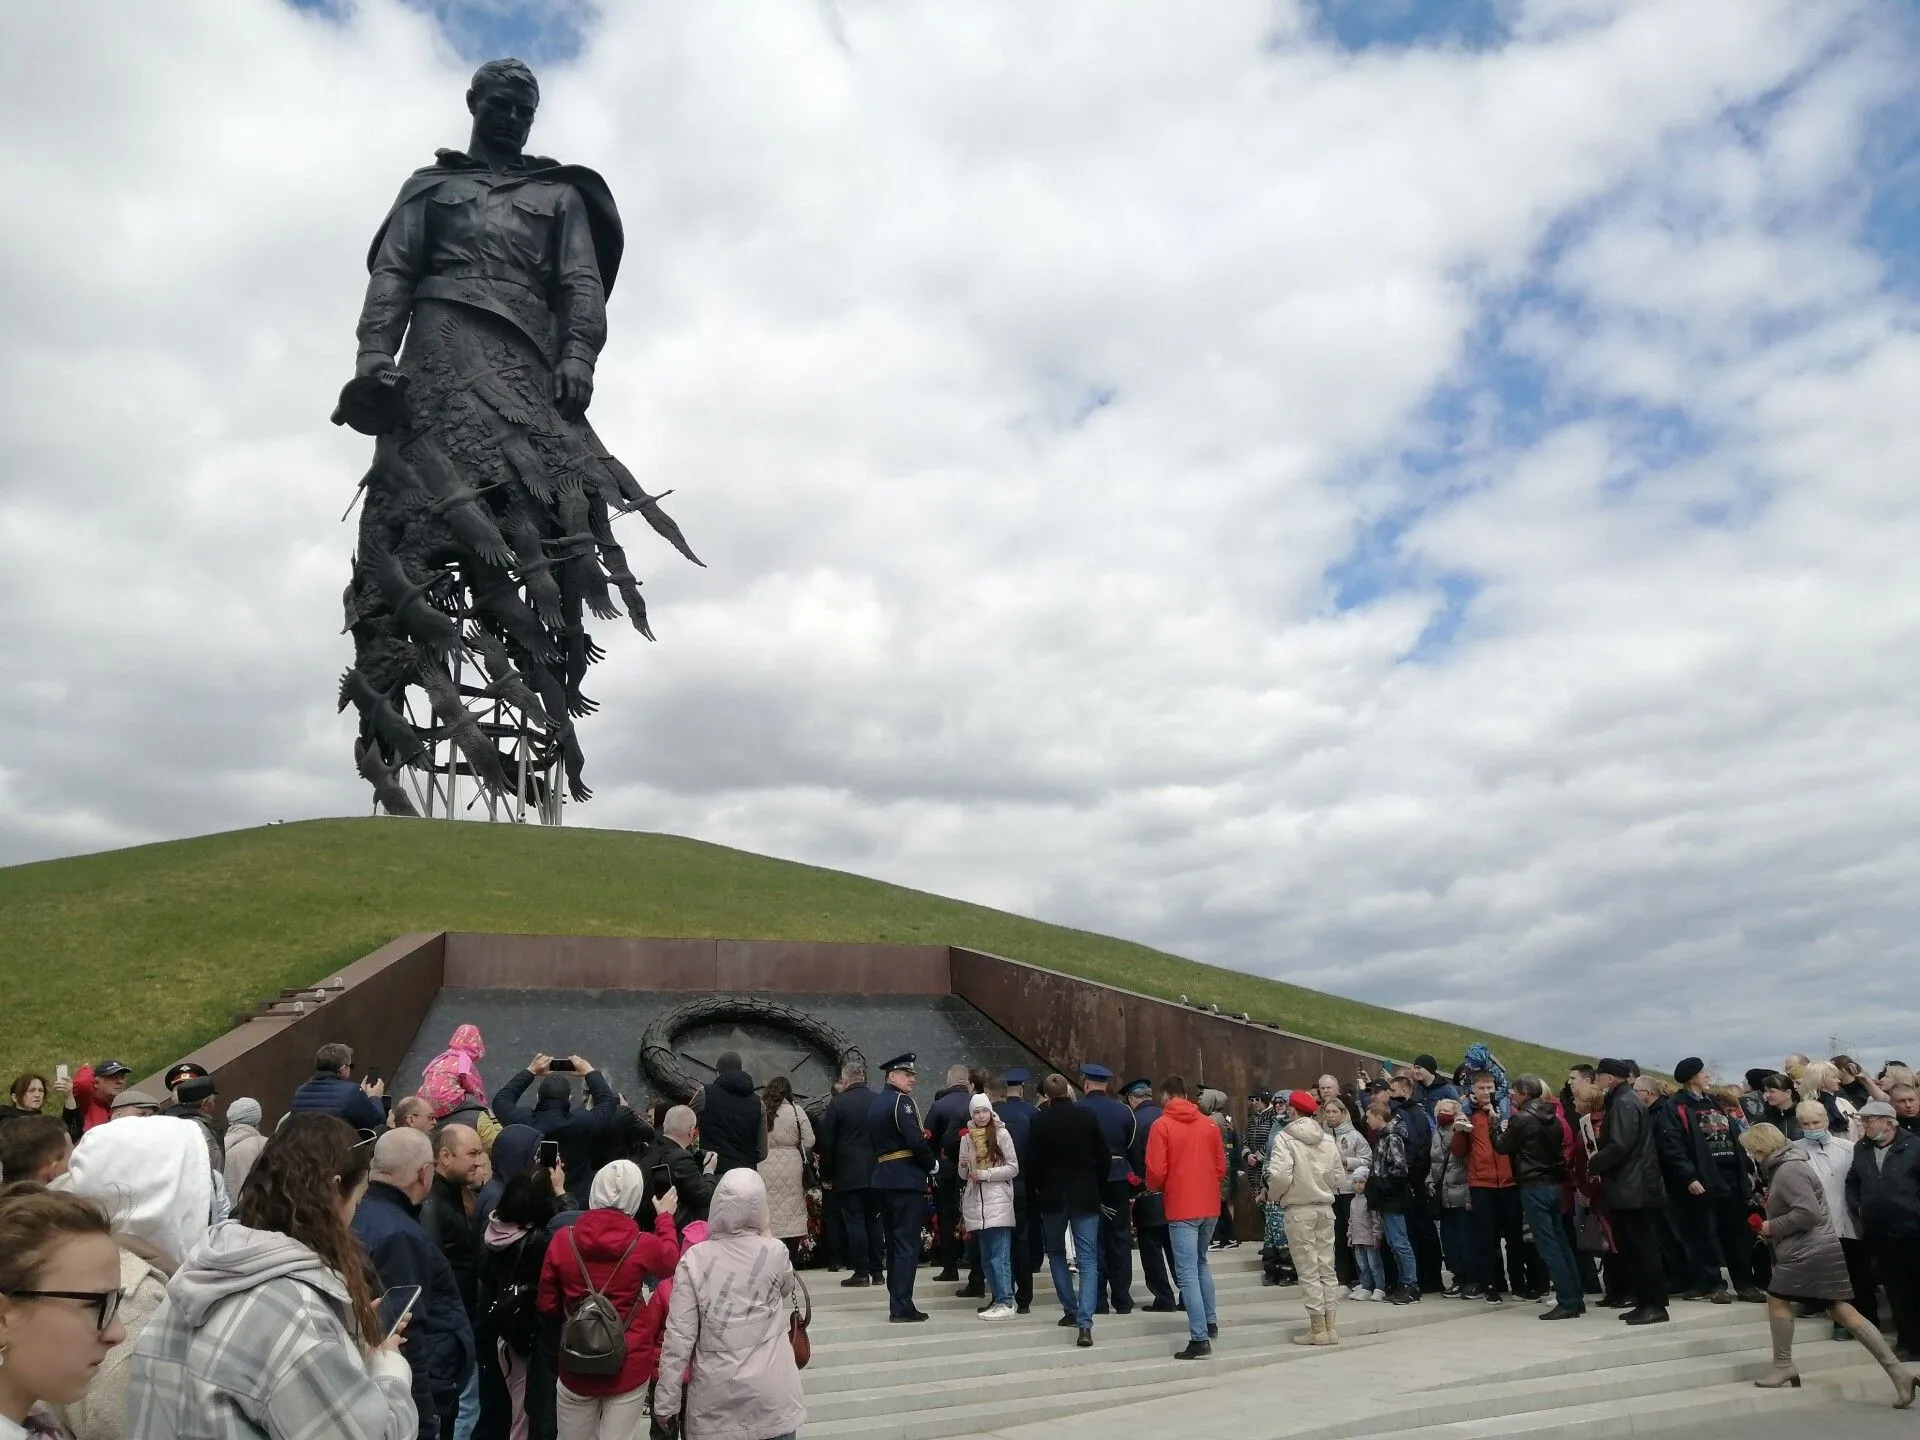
(503,115)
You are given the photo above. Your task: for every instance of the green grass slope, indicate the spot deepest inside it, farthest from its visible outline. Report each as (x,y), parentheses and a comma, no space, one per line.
(147,952)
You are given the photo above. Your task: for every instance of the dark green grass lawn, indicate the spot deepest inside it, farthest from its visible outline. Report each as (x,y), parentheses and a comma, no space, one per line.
(146,953)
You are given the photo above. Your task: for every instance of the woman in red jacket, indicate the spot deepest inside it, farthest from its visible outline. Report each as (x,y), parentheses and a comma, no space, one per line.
(608,1246)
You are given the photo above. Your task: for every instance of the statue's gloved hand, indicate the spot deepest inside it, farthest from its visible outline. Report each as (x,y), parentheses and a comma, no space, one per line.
(372,362)
(573,387)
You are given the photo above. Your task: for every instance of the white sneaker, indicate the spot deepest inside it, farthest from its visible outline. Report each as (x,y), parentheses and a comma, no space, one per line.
(996,1312)
(1359,1292)
(1378,1295)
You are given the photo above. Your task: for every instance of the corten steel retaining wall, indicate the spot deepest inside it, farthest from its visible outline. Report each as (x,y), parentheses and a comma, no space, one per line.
(384,998)
(605,962)
(386,995)
(1070,1020)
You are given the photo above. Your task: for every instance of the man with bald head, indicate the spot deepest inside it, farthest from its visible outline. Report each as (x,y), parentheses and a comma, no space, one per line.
(439,1336)
(446,1218)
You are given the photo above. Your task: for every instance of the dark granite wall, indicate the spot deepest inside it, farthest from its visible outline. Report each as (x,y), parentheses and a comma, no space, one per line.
(605,1027)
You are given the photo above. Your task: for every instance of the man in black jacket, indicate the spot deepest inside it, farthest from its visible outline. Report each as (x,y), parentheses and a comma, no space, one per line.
(1533,1139)
(1629,1167)
(334,1091)
(443,1216)
(946,1118)
(846,1167)
(1706,1174)
(1150,1211)
(1883,1192)
(555,1118)
(691,1177)
(439,1344)
(733,1122)
(1070,1161)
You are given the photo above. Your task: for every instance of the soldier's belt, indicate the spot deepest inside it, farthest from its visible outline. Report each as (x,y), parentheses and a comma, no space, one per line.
(893,1155)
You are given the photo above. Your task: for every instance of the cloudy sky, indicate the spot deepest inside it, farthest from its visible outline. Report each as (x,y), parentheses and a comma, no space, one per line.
(1412,496)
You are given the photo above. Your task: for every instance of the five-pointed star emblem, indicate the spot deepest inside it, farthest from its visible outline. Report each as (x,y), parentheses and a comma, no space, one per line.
(761,1059)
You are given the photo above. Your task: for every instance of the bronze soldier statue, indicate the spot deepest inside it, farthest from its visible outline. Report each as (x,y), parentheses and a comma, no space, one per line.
(487,531)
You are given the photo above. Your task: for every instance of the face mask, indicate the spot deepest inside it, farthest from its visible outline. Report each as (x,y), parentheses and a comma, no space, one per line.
(1816,1137)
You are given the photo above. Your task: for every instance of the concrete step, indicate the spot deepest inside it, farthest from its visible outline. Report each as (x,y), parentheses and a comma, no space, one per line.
(954,1384)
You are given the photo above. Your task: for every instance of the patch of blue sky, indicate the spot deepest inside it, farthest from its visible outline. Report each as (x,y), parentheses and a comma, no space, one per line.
(537,31)
(1402,24)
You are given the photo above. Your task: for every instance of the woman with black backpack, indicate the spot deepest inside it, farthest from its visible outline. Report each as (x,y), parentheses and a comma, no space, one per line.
(595,1280)
(506,1312)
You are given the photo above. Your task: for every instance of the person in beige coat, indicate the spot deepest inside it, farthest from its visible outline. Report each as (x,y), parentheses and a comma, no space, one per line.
(789,1138)
(727,1321)
(1304,1173)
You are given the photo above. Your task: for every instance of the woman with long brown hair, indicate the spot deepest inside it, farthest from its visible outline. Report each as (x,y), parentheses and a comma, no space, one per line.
(268,1328)
(59,1298)
(789,1138)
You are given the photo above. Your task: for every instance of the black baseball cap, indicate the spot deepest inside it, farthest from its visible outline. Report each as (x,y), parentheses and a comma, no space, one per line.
(107,1069)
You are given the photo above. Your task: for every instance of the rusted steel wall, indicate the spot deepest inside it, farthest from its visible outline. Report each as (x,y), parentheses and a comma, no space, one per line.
(604,962)
(1070,1020)
(384,999)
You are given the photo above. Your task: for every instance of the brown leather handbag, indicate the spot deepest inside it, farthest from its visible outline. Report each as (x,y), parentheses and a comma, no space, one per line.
(797,1328)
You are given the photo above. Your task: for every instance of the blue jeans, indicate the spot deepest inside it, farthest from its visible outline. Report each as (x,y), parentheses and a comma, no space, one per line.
(1369,1273)
(996,1259)
(1541,1205)
(469,1415)
(1190,1269)
(1393,1225)
(1086,1251)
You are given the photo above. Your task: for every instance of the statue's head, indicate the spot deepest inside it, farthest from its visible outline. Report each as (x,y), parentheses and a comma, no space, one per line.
(502,99)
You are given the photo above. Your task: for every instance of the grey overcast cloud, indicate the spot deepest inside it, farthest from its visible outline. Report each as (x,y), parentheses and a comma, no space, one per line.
(1426,513)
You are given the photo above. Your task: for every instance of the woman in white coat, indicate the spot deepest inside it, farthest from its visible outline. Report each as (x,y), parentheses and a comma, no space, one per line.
(1831,1156)
(789,1138)
(988,1165)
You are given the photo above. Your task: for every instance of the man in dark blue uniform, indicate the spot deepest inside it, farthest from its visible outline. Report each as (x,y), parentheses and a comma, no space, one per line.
(946,1118)
(1149,1211)
(846,1167)
(902,1161)
(1016,1112)
(1118,1128)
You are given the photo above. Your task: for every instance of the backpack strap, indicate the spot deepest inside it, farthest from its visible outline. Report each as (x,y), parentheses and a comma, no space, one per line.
(586,1275)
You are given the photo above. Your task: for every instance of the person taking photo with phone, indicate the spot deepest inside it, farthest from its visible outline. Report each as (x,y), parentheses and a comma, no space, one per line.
(554,1116)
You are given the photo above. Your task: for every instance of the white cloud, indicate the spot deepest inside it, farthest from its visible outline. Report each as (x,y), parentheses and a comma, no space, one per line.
(1022,373)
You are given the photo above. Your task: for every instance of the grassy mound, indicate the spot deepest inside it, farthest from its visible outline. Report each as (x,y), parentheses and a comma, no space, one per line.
(146,953)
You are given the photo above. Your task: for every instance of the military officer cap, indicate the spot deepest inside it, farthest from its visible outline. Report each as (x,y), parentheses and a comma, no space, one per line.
(196,1089)
(1018,1075)
(185,1070)
(901,1062)
(1142,1086)
(1096,1072)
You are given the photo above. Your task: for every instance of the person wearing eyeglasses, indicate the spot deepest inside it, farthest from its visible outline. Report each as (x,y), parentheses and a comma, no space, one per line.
(59,1294)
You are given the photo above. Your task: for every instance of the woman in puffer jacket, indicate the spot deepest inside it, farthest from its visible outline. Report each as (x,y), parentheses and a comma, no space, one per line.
(726,1368)
(987,1169)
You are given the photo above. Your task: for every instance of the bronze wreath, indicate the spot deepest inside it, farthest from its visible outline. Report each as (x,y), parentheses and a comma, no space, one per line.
(660,1065)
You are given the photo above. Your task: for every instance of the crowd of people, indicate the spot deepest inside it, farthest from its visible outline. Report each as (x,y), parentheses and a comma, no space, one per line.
(536,1262)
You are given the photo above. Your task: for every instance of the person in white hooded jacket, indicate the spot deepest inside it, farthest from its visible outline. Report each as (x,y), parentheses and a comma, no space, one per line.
(727,1321)
(268,1329)
(1304,1173)
(154,1180)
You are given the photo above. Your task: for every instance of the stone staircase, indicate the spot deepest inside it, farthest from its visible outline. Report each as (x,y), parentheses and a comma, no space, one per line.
(1456,1368)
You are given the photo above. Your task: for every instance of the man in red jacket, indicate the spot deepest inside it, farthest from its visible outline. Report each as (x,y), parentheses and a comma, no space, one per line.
(1186,1163)
(95,1087)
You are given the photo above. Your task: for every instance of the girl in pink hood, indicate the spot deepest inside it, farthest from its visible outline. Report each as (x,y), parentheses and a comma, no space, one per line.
(452,1078)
